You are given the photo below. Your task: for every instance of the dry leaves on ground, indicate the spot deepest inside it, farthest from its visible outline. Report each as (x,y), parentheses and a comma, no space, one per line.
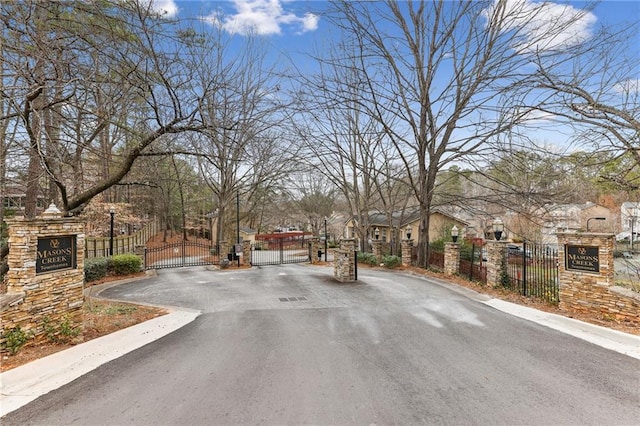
(100,318)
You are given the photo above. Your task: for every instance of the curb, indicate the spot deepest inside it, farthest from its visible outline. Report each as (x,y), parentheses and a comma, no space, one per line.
(24,384)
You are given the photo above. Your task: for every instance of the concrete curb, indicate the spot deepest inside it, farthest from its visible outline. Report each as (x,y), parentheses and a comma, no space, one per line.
(624,343)
(24,384)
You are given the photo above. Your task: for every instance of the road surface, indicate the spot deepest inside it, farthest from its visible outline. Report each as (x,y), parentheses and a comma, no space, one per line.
(289,345)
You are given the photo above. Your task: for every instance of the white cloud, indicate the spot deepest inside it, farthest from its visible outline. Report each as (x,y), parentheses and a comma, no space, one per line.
(167,8)
(628,86)
(262,17)
(545,25)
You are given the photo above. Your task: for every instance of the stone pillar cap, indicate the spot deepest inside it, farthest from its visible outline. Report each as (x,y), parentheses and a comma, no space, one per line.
(52,211)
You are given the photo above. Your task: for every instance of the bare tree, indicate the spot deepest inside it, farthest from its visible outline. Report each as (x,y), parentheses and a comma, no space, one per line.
(596,90)
(246,149)
(437,72)
(80,67)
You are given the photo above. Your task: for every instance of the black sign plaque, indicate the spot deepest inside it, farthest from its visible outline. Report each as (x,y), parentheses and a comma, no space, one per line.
(582,258)
(56,253)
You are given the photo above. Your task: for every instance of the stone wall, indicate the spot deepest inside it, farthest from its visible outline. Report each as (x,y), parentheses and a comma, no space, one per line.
(246,253)
(344,262)
(32,299)
(595,291)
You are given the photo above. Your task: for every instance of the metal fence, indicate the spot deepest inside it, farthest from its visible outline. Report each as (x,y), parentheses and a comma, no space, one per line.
(180,254)
(532,270)
(100,247)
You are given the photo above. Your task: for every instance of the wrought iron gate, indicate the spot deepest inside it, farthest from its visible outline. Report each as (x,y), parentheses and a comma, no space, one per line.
(180,254)
(279,251)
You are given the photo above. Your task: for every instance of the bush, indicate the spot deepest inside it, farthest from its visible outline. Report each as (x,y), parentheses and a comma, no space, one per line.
(95,268)
(125,264)
(391,261)
(367,258)
(15,339)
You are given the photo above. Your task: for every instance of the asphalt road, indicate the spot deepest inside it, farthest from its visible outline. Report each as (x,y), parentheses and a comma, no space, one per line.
(288,345)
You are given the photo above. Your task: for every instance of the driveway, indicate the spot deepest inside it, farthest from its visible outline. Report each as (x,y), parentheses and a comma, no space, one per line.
(289,345)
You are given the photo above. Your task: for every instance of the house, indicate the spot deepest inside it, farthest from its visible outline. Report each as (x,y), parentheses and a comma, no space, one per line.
(575,218)
(397,226)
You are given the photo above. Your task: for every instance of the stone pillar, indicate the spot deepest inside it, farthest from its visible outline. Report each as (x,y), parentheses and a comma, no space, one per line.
(246,253)
(344,265)
(315,248)
(46,273)
(587,278)
(223,246)
(376,249)
(451,258)
(407,250)
(496,262)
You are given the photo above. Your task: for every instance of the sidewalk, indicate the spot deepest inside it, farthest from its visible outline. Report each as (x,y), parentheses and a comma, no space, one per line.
(22,385)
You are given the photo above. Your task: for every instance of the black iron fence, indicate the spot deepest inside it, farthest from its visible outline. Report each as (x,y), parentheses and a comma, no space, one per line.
(472,263)
(532,270)
(183,253)
(280,251)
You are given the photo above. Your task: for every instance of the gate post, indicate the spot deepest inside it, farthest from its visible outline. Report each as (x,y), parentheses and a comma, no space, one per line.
(246,253)
(376,248)
(452,258)
(344,261)
(223,248)
(496,262)
(407,248)
(315,250)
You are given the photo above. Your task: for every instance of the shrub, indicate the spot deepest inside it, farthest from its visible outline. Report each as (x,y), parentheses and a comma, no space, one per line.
(391,261)
(95,268)
(367,258)
(15,339)
(125,264)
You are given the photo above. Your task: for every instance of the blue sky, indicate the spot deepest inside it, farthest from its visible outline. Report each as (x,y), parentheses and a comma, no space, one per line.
(293,27)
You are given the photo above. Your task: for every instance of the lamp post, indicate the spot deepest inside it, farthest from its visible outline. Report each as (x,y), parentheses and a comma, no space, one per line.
(594,218)
(454,233)
(634,216)
(325,238)
(235,252)
(112,213)
(408,232)
(376,232)
(498,228)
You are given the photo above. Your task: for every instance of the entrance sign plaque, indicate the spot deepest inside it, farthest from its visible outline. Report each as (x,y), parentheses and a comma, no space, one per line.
(582,258)
(56,253)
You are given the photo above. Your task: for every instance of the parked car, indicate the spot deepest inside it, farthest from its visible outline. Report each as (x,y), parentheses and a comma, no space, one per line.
(515,250)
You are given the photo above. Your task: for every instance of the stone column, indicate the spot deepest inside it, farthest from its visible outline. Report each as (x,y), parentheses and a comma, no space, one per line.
(376,249)
(344,265)
(496,262)
(246,253)
(46,273)
(451,258)
(315,248)
(223,246)
(407,250)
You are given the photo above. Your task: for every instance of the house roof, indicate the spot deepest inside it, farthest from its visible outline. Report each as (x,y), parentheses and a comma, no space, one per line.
(400,219)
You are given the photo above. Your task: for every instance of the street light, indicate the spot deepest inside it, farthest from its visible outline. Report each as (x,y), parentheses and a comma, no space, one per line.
(112,213)
(594,218)
(498,227)
(408,232)
(325,238)
(376,232)
(454,234)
